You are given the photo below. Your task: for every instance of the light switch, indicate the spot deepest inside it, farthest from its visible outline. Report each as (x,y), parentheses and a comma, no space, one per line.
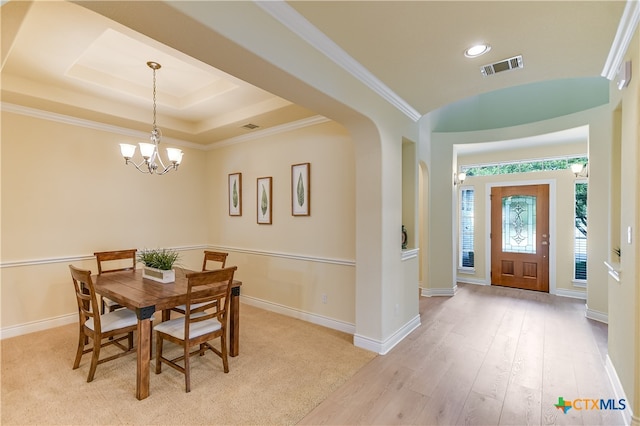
(629,235)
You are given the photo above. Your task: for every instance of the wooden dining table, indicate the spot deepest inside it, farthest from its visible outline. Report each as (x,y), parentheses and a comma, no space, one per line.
(145,297)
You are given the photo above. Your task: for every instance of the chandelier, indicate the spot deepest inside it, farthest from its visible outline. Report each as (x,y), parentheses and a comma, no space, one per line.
(151,161)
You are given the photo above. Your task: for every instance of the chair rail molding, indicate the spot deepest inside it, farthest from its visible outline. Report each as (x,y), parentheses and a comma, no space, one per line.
(614,271)
(410,254)
(308,258)
(77,258)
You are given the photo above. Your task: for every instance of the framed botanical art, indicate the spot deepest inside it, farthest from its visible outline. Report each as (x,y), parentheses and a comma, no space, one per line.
(301,189)
(235,194)
(264,200)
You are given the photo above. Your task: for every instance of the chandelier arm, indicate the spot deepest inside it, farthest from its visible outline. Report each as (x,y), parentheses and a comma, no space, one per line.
(168,169)
(137,166)
(150,170)
(159,160)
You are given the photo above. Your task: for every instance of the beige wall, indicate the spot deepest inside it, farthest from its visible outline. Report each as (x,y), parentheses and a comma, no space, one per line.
(410,192)
(67,193)
(297,259)
(329,149)
(61,180)
(624,296)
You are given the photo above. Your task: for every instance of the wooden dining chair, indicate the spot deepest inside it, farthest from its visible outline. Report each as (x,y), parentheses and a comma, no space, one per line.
(210,291)
(214,256)
(209,256)
(113,327)
(113,261)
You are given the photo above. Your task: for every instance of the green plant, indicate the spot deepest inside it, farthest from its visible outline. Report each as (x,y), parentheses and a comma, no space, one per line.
(617,251)
(163,259)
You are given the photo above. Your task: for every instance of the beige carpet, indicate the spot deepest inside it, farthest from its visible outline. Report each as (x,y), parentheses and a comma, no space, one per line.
(285,368)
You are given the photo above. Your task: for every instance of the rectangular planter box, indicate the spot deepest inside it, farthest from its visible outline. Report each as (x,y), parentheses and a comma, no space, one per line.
(159,275)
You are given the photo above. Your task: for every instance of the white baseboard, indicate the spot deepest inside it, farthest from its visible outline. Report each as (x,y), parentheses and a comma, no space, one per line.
(296,313)
(465,280)
(48,323)
(383,347)
(618,391)
(428,292)
(40,325)
(596,315)
(574,294)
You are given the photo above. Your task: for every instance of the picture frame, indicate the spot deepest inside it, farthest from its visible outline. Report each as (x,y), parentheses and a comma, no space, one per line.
(301,189)
(235,194)
(264,200)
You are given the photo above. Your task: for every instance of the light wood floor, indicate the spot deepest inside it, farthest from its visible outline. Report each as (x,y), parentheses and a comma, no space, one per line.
(487,356)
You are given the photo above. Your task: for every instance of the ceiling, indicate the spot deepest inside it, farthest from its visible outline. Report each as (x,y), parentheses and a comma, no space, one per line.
(64,58)
(70,60)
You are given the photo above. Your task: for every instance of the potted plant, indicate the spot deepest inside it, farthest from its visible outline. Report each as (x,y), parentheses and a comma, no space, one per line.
(158,264)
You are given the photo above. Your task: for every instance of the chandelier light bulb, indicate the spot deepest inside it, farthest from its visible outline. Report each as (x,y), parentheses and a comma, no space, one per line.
(175,155)
(147,149)
(127,150)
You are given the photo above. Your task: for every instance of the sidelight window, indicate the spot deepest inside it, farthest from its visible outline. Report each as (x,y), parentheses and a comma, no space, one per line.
(467,198)
(580,232)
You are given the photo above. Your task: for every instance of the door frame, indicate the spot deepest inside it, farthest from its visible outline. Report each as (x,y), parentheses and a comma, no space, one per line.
(552,225)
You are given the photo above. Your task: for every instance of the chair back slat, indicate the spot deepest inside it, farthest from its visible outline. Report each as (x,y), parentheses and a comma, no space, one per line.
(216,300)
(214,256)
(85,296)
(202,304)
(117,255)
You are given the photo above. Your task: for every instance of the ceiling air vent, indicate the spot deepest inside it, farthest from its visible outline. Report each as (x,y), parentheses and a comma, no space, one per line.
(250,126)
(504,65)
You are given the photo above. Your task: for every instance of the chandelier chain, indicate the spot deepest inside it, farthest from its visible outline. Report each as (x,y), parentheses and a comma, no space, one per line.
(154,98)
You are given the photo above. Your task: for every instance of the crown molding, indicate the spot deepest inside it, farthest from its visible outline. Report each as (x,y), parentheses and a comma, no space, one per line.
(66,119)
(294,125)
(94,125)
(299,25)
(624,34)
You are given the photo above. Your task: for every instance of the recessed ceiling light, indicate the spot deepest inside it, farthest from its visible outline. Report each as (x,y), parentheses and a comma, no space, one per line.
(477,50)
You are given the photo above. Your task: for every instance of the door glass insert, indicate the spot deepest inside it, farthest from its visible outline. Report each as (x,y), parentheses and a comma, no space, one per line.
(519,224)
